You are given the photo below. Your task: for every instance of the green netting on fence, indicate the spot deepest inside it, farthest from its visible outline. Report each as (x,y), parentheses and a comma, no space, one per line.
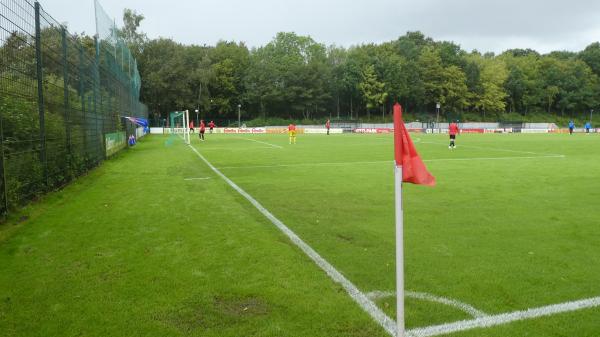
(60,94)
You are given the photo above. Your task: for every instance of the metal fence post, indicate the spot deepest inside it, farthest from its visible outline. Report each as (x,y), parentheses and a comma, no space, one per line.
(4,185)
(67,106)
(99,135)
(83,109)
(40,85)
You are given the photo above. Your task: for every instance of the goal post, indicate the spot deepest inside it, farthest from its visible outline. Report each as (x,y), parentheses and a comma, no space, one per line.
(179,125)
(187,127)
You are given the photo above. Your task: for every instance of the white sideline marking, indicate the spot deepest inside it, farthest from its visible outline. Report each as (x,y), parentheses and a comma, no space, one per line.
(229,148)
(307,164)
(489,321)
(203,178)
(258,141)
(387,161)
(469,309)
(360,298)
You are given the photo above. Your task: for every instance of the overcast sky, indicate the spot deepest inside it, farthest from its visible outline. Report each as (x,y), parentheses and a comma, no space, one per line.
(485,25)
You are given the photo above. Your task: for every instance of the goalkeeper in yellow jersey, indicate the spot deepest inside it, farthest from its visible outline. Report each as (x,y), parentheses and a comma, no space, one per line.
(292,133)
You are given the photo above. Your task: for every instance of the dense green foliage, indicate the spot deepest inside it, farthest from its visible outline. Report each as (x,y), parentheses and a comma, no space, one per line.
(295,77)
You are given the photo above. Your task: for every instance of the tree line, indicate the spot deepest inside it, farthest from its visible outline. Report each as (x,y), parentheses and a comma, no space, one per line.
(296,77)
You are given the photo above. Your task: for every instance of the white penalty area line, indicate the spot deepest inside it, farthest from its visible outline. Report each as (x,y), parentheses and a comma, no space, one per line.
(469,309)
(360,298)
(490,321)
(202,178)
(258,141)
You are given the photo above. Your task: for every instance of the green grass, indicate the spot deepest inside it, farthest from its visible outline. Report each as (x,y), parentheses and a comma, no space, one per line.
(134,249)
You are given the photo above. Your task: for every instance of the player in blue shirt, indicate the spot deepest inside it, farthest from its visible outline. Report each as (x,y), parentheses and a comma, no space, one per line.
(588,126)
(571,127)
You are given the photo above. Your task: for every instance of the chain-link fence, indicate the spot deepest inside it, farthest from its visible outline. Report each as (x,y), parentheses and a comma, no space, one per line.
(60,96)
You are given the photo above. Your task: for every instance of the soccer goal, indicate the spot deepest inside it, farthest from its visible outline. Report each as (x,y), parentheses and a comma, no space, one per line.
(180,124)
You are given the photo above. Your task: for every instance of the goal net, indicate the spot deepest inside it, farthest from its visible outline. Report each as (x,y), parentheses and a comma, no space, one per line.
(179,124)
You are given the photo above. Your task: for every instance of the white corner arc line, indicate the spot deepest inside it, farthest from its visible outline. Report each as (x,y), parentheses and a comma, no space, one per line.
(258,141)
(202,178)
(493,320)
(469,309)
(360,298)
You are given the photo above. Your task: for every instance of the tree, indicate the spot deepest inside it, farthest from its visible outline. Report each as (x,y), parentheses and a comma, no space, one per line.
(491,91)
(373,91)
(131,22)
(432,75)
(446,85)
(591,56)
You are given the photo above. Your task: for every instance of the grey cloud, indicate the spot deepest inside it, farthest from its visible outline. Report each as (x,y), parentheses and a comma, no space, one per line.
(484,25)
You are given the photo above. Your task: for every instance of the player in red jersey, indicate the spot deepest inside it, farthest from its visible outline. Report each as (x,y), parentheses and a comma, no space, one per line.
(211,126)
(202,129)
(453,131)
(292,133)
(327,126)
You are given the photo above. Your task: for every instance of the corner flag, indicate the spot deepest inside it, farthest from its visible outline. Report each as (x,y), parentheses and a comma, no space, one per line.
(413,169)
(409,168)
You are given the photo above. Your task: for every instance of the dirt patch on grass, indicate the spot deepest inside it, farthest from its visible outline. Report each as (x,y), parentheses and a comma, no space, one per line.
(212,313)
(250,306)
(184,319)
(346,238)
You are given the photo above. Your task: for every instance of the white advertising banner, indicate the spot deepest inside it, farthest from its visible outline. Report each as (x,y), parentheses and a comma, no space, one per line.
(324,131)
(244,130)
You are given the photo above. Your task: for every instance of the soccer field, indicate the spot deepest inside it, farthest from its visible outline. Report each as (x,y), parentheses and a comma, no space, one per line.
(157,243)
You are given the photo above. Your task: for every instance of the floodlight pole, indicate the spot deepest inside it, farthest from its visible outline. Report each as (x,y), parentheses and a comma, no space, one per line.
(187,127)
(591,115)
(437,118)
(197,122)
(239,116)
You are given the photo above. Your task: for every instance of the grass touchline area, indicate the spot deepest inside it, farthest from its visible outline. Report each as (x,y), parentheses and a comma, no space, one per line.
(156,243)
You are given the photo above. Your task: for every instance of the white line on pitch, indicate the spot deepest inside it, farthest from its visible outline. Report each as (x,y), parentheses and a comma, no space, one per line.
(258,141)
(203,178)
(385,161)
(307,164)
(360,298)
(494,158)
(415,140)
(469,309)
(489,321)
(496,149)
(232,148)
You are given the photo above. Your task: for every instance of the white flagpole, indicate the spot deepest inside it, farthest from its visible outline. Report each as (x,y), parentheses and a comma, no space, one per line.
(399,253)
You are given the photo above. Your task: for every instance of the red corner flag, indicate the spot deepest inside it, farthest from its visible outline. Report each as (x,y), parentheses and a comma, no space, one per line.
(413,169)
